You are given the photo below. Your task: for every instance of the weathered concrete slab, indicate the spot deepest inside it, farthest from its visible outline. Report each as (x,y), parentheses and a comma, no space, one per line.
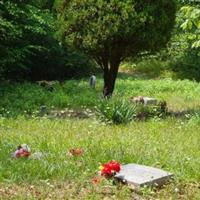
(150,101)
(139,175)
(144,100)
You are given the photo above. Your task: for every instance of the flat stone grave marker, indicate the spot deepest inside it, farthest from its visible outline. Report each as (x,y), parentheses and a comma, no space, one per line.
(145,100)
(149,101)
(138,176)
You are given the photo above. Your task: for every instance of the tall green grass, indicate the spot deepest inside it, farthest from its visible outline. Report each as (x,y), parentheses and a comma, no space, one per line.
(22,98)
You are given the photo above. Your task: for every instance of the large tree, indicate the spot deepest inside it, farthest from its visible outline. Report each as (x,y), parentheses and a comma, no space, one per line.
(111,30)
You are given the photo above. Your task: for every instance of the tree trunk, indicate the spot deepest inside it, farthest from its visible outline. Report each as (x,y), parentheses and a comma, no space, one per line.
(110,75)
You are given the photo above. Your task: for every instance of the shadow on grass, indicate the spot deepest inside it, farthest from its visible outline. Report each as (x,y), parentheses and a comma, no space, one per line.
(184,114)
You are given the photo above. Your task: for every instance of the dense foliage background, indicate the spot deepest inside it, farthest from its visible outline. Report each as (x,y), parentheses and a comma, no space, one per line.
(28,47)
(30,50)
(185,46)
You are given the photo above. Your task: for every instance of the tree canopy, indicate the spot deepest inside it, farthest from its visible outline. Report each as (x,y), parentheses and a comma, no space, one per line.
(110,31)
(24,29)
(190,23)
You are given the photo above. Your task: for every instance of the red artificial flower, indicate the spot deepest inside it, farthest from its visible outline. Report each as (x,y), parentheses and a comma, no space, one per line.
(110,168)
(115,166)
(75,152)
(96,180)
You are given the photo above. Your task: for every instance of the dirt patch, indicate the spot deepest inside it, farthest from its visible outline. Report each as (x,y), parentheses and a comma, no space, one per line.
(69,190)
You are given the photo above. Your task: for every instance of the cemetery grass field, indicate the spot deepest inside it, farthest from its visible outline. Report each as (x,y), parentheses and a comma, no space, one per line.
(171,143)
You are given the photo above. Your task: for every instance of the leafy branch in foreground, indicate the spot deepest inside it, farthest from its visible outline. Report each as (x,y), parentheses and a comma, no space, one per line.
(190,23)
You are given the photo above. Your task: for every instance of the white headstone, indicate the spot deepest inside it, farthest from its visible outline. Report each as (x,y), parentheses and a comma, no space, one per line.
(92,81)
(139,175)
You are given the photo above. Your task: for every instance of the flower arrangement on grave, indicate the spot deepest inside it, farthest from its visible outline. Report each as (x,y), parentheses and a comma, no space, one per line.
(23,150)
(110,169)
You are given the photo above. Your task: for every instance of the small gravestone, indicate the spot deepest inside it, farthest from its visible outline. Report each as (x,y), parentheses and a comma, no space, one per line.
(92,81)
(138,176)
(43,110)
(149,101)
(144,100)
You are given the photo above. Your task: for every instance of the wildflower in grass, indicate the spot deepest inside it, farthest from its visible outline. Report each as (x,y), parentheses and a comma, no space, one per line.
(110,169)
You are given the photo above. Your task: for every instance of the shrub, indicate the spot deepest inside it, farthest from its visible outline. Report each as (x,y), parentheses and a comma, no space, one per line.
(117,112)
(151,66)
(187,67)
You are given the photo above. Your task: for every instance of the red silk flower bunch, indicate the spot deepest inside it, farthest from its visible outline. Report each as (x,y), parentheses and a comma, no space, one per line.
(109,169)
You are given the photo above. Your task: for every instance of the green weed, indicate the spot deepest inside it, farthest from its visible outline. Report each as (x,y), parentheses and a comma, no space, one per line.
(117,112)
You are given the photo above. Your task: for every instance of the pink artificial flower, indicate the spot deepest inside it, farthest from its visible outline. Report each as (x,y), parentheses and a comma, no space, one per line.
(22,151)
